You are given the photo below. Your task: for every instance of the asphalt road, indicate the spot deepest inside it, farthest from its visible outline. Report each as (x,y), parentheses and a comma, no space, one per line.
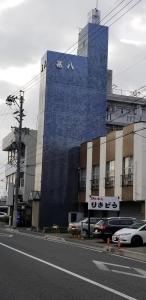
(32,267)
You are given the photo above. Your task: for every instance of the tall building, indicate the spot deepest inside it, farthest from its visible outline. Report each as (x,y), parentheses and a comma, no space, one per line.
(72,109)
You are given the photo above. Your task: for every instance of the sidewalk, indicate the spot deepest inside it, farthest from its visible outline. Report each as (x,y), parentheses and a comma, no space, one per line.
(128,251)
(138,253)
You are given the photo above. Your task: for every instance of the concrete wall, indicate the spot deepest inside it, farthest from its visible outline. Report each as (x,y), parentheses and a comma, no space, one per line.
(88,171)
(139,163)
(30,164)
(102,166)
(118,163)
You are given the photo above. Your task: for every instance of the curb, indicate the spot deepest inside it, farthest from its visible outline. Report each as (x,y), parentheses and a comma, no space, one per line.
(106,248)
(127,253)
(131,254)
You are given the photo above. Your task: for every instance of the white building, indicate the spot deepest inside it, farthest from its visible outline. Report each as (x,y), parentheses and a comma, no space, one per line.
(27,165)
(123,107)
(115,166)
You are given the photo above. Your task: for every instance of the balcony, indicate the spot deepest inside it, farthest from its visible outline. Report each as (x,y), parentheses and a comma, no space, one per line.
(109,182)
(95,184)
(127,179)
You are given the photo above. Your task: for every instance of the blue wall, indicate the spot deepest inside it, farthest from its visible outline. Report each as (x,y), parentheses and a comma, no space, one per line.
(75,111)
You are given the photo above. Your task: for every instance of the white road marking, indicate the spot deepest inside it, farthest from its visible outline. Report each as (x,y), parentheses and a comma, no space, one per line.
(104,287)
(61,241)
(6,235)
(140,271)
(130,274)
(130,258)
(83,246)
(103,266)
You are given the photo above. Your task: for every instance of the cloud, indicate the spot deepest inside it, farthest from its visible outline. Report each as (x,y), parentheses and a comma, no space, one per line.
(19,75)
(30,27)
(138,25)
(132,42)
(7,4)
(26,33)
(6,88)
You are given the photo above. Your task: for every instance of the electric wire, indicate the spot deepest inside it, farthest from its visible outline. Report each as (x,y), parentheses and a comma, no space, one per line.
(40,75)
(123,14)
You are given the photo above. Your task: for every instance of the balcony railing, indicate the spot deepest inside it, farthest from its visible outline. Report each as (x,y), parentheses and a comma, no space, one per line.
(95,184)
(109,181)
(127,179)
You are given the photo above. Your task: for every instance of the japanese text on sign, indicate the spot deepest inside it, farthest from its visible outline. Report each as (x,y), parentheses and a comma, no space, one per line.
(61,65)
(103,203)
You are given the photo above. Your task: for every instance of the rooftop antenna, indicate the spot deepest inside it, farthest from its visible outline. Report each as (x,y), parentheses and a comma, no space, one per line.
(94,14)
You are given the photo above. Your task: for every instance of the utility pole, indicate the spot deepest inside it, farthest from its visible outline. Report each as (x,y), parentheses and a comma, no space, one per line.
(19,117)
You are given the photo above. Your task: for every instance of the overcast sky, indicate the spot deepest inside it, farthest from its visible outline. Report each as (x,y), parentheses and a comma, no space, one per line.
(30,27)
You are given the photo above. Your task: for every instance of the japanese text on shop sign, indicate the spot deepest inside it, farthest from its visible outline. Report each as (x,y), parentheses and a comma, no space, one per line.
(103,203)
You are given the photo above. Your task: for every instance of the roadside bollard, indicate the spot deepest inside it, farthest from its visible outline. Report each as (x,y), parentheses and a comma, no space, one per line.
(119,244)
(108,244)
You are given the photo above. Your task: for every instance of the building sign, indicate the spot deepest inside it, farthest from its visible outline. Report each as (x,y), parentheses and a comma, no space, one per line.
(61,65)
(103,203)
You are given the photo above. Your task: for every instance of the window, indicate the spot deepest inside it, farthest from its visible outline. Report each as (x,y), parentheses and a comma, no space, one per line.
(93,220)
(114,222)
(95,178)
(11,156)
(110,174)
(21,180)
(82,178)
(127,177)
(143,229)
(95,172)
(126,222)
(110,168)
(128,165)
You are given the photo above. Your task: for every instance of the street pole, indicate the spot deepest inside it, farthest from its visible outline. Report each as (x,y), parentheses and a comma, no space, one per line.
(17,183)
(88,223)
(18,134)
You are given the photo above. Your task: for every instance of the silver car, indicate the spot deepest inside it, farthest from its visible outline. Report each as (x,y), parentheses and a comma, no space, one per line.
(81,227)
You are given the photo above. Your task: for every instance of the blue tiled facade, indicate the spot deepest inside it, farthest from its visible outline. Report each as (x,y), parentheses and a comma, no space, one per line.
(74,112)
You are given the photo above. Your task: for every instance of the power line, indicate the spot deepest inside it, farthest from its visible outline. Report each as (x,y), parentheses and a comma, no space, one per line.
(123,14)
(90,147)
(40,75)
(126,113)
(33,84)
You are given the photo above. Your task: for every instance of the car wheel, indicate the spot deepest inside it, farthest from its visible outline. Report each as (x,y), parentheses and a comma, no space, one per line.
(136,241)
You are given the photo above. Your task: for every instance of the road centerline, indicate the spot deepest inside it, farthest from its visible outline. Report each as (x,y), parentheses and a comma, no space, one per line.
(113,291)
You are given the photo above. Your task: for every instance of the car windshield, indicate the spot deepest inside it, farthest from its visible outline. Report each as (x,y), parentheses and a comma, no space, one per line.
(137,225)
(84,220)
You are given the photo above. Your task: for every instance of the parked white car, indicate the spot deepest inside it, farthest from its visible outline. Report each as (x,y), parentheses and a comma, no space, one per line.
(135,235)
